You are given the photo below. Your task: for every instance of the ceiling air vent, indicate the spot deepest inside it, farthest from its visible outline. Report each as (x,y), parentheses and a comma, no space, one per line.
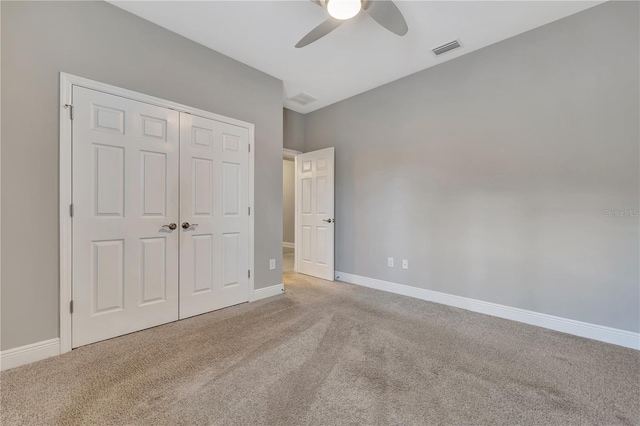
(303,98)
(446,47)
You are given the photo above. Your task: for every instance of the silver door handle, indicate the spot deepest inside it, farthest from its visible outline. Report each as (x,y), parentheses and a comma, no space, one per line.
(186,225)
(171,226)
(329,220)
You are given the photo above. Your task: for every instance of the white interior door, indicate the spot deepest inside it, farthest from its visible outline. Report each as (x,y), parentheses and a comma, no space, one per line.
(315,213)
(125,189)
(214,203)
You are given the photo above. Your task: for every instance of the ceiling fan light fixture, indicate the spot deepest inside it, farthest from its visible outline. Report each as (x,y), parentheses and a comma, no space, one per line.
(343,9)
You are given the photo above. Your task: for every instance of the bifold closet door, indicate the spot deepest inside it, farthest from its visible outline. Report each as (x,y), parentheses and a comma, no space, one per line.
(125,197)
(214,202)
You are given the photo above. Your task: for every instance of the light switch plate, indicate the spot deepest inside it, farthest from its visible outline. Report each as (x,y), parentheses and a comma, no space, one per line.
(405,264)
(272,264)
(390,262)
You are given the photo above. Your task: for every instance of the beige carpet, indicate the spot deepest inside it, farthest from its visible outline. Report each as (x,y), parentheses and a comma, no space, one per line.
(331,354)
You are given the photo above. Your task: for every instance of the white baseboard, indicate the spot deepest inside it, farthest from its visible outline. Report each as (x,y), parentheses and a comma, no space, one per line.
(263,293)
(288,245)
(615,336)
(29,353)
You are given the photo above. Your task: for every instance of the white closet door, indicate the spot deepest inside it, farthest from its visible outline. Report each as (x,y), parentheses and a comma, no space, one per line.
(314,213)
(125,189)
(214,202)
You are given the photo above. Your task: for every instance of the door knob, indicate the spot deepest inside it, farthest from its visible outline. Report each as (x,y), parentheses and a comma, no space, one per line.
(328,220)
(171,226)
(186,225)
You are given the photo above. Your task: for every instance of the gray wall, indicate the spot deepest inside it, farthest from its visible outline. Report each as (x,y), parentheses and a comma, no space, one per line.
(288,200)
(493,173)
(101,42)
(293,130)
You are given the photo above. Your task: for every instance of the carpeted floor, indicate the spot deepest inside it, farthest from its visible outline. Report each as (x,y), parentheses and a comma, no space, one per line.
(331,354)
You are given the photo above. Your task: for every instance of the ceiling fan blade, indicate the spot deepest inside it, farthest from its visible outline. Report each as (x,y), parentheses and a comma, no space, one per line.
(387,14)
(320,31)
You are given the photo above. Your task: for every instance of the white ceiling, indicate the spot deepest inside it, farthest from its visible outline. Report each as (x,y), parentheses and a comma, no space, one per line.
(356,57)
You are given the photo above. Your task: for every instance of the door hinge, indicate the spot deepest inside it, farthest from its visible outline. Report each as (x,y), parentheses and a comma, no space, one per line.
(249,211)
(249,273)
(71,306)
(71,210)
(249,147)
(70,110)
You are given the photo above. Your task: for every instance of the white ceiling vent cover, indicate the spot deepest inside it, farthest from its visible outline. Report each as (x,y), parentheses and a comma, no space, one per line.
(303,98)
(446,47)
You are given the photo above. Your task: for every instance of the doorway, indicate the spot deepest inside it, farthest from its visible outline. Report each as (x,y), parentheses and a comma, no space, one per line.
(288,210)
(315,207)
(308,214)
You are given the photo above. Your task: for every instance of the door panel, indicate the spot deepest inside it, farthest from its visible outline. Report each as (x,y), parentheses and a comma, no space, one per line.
(108,279)
(125,188)
(202,264)
(314,213)
(154,184)
(154,264)
(214,174)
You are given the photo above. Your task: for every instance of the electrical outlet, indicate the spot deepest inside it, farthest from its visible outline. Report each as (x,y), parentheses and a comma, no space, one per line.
(272,264)
(405,264)
(390,262)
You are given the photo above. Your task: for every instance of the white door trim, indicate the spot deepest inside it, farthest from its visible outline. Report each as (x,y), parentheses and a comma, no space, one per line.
(67,81)
(289,154)
(295,214)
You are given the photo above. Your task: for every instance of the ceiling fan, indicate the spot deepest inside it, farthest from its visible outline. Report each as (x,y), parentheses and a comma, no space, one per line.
(384,12)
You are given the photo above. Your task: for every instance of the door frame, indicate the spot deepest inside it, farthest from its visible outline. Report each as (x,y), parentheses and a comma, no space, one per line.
(290,154)
(67,81)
